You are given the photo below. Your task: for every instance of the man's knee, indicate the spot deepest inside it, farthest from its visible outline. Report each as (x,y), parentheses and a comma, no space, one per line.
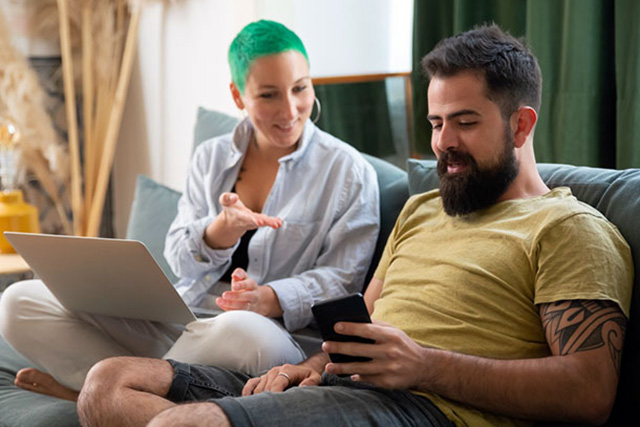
(129,372)
(109,380)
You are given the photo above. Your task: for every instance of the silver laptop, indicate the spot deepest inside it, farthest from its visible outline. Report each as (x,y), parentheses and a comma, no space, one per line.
(112,277)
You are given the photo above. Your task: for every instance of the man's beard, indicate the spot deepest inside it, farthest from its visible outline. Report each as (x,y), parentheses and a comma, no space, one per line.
(476,188)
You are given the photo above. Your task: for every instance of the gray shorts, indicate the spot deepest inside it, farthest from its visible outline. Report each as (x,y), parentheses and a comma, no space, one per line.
(337,402)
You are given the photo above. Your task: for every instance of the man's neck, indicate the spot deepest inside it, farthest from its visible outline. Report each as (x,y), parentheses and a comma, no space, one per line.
(527,184)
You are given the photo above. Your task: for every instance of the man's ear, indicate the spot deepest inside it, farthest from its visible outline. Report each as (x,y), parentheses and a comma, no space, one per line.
(235,94)
(522,123)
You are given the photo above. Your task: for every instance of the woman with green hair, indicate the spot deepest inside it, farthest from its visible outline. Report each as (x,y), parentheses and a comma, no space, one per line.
(290,213)
(276,216)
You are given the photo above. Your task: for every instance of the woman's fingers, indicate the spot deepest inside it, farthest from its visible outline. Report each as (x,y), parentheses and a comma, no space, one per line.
(228,199)
(228,305)
(238,274)
(270,221)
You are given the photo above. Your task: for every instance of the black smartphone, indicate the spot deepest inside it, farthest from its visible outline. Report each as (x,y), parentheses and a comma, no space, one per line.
(344,309)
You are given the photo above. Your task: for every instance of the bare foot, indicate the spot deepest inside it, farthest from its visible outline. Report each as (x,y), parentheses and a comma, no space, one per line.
(40,382)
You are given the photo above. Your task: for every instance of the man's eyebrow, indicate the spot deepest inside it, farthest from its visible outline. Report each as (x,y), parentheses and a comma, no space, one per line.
(454,115)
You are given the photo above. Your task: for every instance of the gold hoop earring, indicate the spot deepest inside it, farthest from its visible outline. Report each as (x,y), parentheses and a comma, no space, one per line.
(318,111)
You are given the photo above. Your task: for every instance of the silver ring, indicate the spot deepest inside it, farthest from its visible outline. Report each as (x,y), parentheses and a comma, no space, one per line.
(284,375)
(248,306)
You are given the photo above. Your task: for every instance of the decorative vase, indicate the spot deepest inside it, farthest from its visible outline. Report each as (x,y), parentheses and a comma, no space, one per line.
(16,215)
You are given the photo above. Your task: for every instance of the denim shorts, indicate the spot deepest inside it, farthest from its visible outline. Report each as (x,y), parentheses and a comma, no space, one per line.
(337,402)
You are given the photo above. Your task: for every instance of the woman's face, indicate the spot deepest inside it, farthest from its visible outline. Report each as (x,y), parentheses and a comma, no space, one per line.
(278,97)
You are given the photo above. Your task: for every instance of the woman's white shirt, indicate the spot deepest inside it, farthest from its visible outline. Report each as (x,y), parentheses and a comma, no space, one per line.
(325,193)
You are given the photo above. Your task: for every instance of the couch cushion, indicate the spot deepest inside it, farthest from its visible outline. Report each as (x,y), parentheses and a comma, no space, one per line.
(210,123)
(616,194)
(154,208)
(21,408)
(392,183)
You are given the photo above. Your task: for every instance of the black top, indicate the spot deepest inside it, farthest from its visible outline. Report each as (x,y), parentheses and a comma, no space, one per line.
(240,258)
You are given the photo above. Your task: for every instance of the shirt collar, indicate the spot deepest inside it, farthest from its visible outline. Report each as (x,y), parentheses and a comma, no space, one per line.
(305,140)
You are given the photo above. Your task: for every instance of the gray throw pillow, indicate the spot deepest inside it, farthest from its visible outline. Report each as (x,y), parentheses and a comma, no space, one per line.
(210,124)
(152,212)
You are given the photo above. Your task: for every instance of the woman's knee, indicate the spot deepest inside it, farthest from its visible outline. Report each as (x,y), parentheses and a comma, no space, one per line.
(15,303)
(236,340)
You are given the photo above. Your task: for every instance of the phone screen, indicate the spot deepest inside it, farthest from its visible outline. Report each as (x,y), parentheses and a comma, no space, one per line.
(345,309)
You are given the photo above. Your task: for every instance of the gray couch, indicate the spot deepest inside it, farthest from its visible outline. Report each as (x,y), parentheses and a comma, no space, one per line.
(615,193)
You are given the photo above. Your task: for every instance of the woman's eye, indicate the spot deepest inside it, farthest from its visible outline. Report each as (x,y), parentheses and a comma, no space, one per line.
(298,89)
(266,95)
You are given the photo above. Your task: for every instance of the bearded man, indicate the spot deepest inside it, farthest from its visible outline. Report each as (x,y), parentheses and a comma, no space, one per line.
(485,311)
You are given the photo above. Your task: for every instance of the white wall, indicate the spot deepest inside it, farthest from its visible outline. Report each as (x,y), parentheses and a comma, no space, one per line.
(181,64)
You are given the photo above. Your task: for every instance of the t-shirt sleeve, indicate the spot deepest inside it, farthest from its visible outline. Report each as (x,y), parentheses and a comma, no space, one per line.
(584,256)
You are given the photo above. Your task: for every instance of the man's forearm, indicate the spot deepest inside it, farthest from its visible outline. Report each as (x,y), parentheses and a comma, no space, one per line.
(570,388)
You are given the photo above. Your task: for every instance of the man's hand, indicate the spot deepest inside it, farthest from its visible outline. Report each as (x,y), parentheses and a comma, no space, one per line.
(281,378)
(397,361)
(246,294)
(235,220)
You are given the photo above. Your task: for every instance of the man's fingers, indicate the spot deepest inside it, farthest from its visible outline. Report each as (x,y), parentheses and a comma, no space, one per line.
(250,386)
(364,330)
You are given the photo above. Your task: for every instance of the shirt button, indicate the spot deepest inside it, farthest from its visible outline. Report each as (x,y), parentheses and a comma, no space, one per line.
(207,278)
(197,258)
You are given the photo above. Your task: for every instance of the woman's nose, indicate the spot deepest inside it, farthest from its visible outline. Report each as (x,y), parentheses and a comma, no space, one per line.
(289,107)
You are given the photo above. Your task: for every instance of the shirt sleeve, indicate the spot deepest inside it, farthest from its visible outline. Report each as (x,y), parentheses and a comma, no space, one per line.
(601,267)
(185,249)
(346,253)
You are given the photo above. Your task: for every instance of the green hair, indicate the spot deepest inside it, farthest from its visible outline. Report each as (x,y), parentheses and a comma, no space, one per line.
(257,39)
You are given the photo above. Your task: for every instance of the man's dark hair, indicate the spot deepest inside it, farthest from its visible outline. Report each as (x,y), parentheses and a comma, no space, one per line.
(510,69)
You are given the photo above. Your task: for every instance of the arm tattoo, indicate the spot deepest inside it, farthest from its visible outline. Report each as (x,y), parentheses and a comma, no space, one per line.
(581,325)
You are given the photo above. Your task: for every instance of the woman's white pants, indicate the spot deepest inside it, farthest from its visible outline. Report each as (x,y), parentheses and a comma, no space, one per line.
(67,345)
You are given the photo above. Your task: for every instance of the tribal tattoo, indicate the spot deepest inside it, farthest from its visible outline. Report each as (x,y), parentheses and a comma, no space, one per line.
(581,325)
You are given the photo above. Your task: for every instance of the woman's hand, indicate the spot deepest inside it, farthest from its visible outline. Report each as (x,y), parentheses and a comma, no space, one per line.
(281,378)
(246,294)
(235,220)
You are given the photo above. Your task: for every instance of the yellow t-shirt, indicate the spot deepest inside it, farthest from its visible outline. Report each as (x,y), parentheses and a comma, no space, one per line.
(471,284)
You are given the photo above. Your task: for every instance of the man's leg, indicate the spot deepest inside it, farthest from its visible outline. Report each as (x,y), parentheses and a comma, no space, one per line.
(125,391)
(339,401)
(192,415)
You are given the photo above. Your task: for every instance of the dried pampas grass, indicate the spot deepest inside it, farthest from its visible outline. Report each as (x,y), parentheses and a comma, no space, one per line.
(98,40)
(22,98)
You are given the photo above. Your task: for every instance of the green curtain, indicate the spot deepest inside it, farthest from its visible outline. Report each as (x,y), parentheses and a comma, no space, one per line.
(589,53)
(357,113)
